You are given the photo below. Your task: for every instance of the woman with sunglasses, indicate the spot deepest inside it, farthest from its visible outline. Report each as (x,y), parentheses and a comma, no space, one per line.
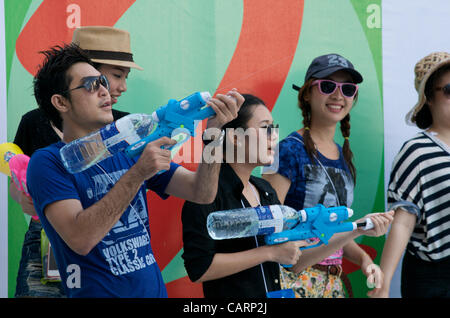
(419,190)
(110,51)
(244,267)
(314,169)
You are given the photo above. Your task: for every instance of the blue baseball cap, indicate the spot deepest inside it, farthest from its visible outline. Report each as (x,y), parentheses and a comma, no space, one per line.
(325,65)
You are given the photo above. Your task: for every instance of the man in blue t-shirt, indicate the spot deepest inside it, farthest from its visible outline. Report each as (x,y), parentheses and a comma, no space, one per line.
(97,220)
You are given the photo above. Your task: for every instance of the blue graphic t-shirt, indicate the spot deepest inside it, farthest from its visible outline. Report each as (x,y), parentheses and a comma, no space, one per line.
(329,183)
(122,263)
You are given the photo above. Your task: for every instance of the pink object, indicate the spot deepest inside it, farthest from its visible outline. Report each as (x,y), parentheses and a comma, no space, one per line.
(18,165)
(348,91)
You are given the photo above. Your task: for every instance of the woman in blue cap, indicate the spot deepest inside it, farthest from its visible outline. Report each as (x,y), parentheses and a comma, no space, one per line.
(314,169)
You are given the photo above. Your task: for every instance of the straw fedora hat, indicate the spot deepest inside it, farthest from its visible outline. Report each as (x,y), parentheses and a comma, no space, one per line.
(423,70)
(106,45)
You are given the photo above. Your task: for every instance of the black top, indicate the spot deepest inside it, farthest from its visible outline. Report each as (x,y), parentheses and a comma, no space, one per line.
(199,247)
(35,132)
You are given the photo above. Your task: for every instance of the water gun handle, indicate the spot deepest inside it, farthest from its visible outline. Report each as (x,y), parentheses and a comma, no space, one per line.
(137,148)
(285,236)
(366,225)
(206,112)
(300,232)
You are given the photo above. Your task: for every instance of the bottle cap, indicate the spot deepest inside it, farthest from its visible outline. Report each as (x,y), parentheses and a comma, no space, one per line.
(350,212)
(206,96)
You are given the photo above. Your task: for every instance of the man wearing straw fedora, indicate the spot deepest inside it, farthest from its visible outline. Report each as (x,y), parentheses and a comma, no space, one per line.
(110,50)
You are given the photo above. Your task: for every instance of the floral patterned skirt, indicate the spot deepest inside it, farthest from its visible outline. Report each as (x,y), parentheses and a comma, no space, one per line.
(313,283)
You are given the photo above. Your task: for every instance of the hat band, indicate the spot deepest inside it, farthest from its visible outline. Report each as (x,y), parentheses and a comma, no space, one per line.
(110,55)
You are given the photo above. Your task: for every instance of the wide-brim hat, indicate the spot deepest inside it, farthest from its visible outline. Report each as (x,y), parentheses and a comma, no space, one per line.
(106,45)
(423,70)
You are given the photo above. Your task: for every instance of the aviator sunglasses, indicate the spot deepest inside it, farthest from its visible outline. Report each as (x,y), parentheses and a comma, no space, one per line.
(92,84)
(445,89)
(328,87)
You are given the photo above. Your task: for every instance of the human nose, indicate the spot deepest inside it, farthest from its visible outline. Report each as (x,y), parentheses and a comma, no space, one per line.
(103,90)
(123,86)
(337,94)
(273,132)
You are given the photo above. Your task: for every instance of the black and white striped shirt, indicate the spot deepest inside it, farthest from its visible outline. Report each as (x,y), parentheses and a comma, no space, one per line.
(420,184)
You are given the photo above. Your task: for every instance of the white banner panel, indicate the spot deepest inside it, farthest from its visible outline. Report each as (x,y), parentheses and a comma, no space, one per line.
(411,30)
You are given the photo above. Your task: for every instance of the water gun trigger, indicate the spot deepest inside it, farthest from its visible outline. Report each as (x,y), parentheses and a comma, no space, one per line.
(180,135)
(311,246)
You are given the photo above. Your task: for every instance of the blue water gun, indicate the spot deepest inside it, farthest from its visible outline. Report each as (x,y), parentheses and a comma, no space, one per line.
(316,222)
(177,120)
(320,223)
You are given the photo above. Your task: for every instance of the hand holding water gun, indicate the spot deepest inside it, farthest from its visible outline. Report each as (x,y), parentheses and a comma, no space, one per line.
(177,120)
(321,223)
(280,223)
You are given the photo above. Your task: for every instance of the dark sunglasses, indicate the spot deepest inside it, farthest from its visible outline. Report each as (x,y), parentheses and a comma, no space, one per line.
(92,84)
(270,128)
(328,87)
(445,89)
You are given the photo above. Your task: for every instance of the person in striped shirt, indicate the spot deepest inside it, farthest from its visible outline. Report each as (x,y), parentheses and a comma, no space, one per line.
(419,190)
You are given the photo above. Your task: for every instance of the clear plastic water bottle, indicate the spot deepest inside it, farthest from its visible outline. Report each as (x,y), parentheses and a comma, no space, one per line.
(84,152)
(245,222)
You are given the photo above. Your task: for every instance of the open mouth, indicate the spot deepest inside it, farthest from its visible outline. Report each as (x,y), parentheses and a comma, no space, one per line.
(107,105)
(334,108)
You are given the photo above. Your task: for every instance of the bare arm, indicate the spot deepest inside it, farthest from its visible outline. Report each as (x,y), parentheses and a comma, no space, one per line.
(317,254)
(375,276)
(226,264)
(25,201)
(354,253)
(401,230)
(199,186)
(82,229)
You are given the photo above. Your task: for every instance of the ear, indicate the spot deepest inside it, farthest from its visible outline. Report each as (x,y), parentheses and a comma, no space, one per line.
(60,102)
(307,95)
(428,101)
